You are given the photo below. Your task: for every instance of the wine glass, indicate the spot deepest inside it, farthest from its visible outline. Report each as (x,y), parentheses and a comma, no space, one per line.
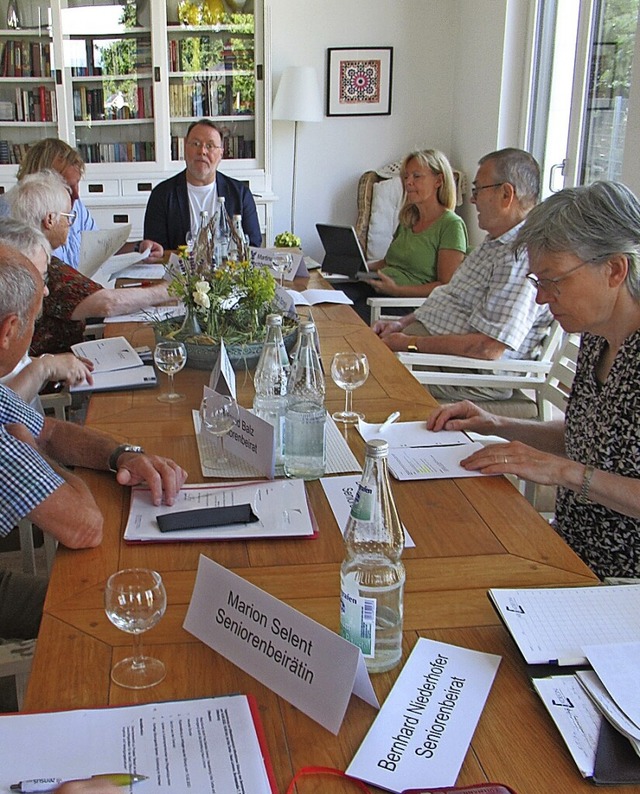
(280,263)
(349,370)
(218,414)
(170,357)
(135,600)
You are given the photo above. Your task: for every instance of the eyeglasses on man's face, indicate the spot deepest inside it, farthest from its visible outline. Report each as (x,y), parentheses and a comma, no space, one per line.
(207,146)
(551,284)
(475,190)
(70,216)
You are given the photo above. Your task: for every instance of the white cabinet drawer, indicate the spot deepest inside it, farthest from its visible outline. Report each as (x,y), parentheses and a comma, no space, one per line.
(106,217)
(139,187)
(99,188)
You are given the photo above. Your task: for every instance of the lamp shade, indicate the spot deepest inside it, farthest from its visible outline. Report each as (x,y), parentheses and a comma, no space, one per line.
(298,95)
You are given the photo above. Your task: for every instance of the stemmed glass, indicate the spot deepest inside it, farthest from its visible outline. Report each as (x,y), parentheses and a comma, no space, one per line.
(218,414)
(135,600)
(170,357)
(349,371)
(280,264)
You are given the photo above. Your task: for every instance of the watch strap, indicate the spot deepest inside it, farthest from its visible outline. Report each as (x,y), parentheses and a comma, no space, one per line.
(119,450)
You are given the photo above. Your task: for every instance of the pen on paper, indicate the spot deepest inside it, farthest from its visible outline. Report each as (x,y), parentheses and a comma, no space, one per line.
(389,421)
(123,779)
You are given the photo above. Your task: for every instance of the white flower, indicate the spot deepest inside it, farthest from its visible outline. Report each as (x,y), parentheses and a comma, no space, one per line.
(202,286)
(201,299)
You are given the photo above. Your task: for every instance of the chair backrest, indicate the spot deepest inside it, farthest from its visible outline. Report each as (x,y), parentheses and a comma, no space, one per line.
(557,385)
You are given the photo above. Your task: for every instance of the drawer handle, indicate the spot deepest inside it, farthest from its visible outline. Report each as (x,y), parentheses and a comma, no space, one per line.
(95,188)
(144,187)
(121,219)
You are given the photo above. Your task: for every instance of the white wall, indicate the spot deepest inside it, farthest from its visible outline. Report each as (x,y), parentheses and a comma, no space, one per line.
(334,153)
(447,76)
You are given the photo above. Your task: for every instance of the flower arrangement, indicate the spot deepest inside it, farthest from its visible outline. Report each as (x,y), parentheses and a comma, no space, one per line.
(287,240)
(230,302)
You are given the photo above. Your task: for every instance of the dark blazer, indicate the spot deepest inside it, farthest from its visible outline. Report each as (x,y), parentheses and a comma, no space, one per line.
(167,219)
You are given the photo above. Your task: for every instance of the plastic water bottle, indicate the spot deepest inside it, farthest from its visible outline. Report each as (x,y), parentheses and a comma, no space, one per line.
(222,236)
(372,575)
(306,416)
(270,381)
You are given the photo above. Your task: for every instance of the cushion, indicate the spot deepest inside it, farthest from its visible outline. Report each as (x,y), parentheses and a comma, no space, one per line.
(385,205)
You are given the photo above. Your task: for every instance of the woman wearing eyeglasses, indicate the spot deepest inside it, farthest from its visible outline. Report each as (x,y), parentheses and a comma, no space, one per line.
(584,254)
(43,201)
(430,240)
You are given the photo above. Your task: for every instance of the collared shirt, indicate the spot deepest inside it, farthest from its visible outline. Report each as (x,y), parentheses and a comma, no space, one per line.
(489,294)
(26,479)
(69,253)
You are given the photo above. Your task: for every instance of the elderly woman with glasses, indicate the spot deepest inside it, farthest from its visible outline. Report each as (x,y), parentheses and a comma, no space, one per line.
(584,254)
(43,201)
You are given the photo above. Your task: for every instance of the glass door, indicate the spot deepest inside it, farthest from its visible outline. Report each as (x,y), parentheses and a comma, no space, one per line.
(581,89)
(28,102)
(212,72)
(109,76)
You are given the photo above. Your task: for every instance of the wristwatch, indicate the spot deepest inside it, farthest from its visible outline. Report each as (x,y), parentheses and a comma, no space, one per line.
(412,348)
(119,450)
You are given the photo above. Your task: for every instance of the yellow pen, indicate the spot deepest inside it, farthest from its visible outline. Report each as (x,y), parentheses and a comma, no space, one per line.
(51,783)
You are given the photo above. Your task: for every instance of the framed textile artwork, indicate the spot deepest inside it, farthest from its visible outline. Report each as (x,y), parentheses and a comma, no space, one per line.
(359,81)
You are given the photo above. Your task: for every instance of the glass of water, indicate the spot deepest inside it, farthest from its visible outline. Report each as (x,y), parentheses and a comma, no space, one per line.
(349,371)
(135,600)
(218,414)
(170,357)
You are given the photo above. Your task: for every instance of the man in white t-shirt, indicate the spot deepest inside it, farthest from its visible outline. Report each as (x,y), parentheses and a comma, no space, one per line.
(175,205)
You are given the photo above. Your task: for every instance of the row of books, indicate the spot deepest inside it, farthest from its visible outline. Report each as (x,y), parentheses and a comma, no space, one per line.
(236,147)
(25,59)
(12,153)
(130,152)
(206,97)
(36,104)
(89,103)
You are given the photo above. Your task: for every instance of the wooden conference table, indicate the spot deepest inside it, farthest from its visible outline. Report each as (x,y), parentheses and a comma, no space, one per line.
(470,534)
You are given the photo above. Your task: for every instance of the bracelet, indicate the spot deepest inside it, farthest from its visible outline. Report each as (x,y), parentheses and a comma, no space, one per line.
(413,347)
(583,496)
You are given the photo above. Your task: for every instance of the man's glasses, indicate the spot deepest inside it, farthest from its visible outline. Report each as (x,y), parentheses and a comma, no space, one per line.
(551,284)
(70,216)
(208,146)
(476,190)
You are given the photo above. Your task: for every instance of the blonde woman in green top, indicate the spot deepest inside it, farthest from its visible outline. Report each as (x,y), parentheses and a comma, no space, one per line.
(430,241)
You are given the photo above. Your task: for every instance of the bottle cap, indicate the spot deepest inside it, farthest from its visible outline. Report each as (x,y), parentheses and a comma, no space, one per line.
(377,448)
(306,325)
(274,319)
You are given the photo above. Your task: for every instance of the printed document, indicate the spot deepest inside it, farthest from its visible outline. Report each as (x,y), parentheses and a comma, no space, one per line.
(206,746)
(432,463)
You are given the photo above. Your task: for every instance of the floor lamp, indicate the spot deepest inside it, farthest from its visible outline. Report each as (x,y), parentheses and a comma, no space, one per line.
(297,99)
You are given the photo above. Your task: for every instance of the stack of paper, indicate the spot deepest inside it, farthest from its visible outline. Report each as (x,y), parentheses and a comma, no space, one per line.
(116,365)
(416,453)
(597,626)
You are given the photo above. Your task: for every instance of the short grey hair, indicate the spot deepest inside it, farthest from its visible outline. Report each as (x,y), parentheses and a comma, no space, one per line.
(592,222)
(520,170)
(36,195)
(18,285)
(24,237)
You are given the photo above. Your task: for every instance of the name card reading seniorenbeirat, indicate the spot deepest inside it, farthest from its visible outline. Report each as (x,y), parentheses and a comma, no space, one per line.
(285,650)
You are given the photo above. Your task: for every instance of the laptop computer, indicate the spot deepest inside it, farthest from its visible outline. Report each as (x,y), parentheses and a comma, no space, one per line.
(343,253)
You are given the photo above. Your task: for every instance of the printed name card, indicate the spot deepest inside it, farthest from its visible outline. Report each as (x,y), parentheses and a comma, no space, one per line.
(288,652)
(422,733)
(264,257)
(223,378)
(251,439)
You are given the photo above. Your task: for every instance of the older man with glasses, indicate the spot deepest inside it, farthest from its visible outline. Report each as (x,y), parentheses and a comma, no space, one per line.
(175,205)
(488,309)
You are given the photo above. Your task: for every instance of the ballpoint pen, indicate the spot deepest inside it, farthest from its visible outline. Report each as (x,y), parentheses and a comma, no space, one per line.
(389,421)
(51,783)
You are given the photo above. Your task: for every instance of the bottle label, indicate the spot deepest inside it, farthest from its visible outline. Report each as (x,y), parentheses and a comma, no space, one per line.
(357,616)
(363,507)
